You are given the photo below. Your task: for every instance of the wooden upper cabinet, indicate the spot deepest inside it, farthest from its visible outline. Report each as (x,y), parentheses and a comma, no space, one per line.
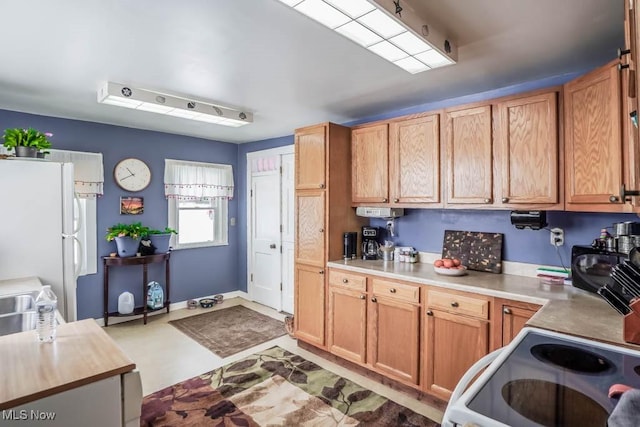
(468,146)
(310,227)
(527,150)
(370,160)
(414,160)
(593,141)
(310,146)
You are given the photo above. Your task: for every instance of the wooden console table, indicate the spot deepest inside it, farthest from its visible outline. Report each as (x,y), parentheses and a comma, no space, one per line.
(144,261)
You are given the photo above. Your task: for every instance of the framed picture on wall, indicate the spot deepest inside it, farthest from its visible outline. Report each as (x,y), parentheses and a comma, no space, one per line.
(131,205)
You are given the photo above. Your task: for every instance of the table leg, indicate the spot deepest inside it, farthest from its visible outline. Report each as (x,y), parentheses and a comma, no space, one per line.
(105,285)
(144,293)
(168,280)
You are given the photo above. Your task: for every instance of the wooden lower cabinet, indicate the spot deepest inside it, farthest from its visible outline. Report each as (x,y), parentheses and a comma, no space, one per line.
(394,338)
(347,323)
(452,343)
(309,304)
(513,317)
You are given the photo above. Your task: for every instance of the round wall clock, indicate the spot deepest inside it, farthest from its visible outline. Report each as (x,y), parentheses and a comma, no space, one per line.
(132,174)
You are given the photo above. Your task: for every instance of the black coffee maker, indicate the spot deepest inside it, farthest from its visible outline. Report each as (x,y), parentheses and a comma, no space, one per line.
(370,243)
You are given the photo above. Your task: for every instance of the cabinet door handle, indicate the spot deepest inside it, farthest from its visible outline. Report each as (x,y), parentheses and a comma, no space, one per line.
(385,200)
(622,66)
(321,230)
(506,311)
(362,297)
(374,299)
(623,52)
(396,200)
(429,313)
(454,304)
(392,290)
(272,246)
(487,200)
(613,199)
(321,185)
(321,272)
(505,200)
(345,280)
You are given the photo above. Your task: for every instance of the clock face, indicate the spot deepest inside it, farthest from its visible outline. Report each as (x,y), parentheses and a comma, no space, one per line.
(132,174)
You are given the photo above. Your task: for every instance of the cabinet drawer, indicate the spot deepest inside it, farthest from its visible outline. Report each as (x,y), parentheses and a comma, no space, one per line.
(454,303)
(395,290)
(347,280)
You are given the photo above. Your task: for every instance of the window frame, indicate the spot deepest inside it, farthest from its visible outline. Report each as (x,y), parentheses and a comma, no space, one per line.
(221,232)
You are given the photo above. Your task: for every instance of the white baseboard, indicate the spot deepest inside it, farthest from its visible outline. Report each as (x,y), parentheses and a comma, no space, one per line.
(173,306)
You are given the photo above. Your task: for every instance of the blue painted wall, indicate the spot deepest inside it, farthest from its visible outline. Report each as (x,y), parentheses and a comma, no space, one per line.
(194,272)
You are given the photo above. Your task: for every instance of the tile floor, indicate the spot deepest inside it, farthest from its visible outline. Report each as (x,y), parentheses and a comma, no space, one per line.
(166,356)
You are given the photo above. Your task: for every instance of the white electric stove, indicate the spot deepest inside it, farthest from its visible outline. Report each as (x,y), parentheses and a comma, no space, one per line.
(543,378)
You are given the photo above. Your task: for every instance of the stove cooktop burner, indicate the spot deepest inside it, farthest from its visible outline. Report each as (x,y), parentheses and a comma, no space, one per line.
(571,358)
(551,404)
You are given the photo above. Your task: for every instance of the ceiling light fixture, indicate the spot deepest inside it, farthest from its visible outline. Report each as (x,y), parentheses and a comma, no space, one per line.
(393,32)
(140,99)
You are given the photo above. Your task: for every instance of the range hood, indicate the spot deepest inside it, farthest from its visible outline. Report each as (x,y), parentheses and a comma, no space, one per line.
(374,212)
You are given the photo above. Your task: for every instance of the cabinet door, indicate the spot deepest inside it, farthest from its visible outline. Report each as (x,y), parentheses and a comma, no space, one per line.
(527,149)
(309,308)
(370,159)
(346,320)
(593,144)
(310,227)
(394,338)
(310,147)
(468,142)
(513,320)
(414,160)
(452,344)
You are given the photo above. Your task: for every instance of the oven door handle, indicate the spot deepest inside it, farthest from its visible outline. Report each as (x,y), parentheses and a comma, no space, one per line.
(472,372)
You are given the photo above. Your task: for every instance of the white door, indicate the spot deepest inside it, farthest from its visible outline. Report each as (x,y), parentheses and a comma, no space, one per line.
(288,230)
(266,262)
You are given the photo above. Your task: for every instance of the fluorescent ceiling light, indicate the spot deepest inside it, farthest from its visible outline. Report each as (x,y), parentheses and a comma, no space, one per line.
(353,8)
(404,39)
(388,51)
(359,33)
(145,100)
(323,13)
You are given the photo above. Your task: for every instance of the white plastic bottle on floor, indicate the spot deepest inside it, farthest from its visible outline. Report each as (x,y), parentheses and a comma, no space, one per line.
(46,305)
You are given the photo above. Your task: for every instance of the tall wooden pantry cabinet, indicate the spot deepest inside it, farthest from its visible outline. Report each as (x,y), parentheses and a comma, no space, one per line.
(323,215)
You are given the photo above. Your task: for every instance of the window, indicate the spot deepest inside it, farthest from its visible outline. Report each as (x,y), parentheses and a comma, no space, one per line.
(198,195)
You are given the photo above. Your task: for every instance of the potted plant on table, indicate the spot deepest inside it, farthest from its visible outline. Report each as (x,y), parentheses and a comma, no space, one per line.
(26,142)
(127,237)
(161,238)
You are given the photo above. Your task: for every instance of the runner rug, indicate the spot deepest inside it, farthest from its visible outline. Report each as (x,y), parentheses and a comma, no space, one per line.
(273,388)
(230,330)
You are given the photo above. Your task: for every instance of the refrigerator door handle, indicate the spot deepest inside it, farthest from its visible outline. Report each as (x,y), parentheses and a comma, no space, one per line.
(76,201)
(79,264)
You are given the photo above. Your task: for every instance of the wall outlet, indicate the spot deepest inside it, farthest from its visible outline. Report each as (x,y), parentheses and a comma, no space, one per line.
(556,237)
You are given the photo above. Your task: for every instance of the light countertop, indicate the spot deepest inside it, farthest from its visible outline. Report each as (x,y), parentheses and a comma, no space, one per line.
(81,354)
(565,309)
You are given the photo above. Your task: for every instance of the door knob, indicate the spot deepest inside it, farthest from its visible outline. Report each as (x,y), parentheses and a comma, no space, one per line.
(272,246)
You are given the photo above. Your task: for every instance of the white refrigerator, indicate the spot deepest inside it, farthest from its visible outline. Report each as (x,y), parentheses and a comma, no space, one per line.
(37,227)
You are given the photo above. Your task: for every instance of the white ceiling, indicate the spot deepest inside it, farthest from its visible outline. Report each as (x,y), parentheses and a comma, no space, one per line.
(265,57)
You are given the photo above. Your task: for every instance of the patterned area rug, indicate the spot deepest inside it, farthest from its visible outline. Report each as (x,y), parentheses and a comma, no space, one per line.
(230,330)
(273,388)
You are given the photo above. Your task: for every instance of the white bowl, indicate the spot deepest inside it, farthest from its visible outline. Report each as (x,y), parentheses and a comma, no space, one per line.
(451,271)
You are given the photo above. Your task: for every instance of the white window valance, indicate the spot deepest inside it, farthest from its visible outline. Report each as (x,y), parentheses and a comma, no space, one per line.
(184,180)
(88,171)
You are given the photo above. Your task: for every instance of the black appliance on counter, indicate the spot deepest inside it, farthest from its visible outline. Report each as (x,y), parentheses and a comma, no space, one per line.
(370,243)
(591,267)
(350,245)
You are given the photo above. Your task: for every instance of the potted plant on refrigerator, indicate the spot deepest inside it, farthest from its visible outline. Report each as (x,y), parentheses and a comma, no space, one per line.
(26,142)
(127,237)
(161,238)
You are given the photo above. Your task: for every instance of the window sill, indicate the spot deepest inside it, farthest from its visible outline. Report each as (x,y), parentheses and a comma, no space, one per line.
(199,245)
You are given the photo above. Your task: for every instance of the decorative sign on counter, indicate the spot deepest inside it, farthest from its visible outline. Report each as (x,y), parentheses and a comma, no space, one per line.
(477,250)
